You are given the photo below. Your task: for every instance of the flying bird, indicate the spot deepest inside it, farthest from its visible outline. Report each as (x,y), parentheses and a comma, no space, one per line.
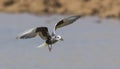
(43,32)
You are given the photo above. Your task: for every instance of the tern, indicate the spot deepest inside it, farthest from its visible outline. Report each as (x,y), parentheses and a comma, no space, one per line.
(43,32)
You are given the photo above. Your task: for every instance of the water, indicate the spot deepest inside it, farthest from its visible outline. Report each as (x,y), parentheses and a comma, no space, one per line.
(87,44)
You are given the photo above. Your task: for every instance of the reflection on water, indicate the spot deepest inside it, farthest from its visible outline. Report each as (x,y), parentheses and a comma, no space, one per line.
(86,45)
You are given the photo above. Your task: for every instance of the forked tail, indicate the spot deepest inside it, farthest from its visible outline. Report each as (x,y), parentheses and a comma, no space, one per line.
(42,45)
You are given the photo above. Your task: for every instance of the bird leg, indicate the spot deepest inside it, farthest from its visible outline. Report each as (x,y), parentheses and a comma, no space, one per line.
(49,48)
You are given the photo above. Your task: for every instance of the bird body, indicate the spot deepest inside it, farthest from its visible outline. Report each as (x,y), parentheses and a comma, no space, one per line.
(43,32)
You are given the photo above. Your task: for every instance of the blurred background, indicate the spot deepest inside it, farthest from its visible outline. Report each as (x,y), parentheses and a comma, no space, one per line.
(92,42)
(102,8)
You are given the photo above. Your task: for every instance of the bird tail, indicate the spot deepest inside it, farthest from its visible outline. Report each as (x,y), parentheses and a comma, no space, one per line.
(42,45)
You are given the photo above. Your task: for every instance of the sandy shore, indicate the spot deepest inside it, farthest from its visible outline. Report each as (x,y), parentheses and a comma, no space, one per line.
(102,8)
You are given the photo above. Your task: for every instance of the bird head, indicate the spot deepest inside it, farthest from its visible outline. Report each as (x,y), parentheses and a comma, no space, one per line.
(58,37)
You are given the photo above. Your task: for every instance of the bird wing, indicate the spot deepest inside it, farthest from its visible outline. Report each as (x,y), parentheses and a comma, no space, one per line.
(65,21)
(41,31)
(27,34)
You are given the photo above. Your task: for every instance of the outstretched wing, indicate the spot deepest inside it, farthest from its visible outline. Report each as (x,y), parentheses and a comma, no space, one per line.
(27,34)
(41,31)
(65,21)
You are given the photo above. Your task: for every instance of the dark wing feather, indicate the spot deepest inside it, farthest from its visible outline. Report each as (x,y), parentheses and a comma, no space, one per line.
(43,32)
(66,21)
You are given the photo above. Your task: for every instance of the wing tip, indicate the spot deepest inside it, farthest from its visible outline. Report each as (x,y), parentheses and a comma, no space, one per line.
(78,16)
(17,37)
(21,37)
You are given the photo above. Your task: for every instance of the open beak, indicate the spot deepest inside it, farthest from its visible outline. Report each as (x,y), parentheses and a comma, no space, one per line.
(61,39)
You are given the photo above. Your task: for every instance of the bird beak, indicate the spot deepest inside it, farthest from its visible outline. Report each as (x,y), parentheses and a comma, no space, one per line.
(61,39)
